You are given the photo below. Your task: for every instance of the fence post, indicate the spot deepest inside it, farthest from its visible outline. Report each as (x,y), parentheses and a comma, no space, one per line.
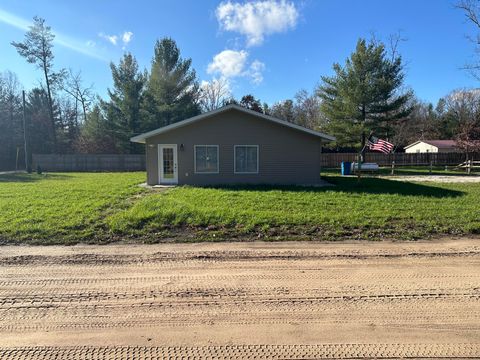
(431,165)
(469,167)
(393,167)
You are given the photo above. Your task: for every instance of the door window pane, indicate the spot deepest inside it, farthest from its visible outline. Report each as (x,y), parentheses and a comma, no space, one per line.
(206,158)
(168,166)
(246,159)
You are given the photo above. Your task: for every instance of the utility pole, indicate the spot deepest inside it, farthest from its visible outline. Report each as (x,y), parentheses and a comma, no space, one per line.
(27,165)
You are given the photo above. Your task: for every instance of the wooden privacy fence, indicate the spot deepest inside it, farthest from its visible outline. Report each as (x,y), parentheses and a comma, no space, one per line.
(89,162)
(8,163)
(401,159)
(136,162)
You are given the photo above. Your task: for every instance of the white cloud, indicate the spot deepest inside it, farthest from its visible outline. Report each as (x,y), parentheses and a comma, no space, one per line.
(257,19)
(230,64)
(123,39)
(110,38)
(127,37)
(77,45)
(256,71)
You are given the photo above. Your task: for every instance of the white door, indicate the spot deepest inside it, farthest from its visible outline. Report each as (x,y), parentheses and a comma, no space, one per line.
(167,164)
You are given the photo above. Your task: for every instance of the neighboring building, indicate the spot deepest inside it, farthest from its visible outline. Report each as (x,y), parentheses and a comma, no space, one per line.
(233,145)
(432,146)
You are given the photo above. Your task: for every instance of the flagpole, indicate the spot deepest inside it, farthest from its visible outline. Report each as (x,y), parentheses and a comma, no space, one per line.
(360,158)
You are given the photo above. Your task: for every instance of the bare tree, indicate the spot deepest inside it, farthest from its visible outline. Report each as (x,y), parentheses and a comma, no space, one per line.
(214,93)
(304,110)
(73,85)
(394,41)
(422,123)
(307,110)
(471,9)
(37,49)
(464,107)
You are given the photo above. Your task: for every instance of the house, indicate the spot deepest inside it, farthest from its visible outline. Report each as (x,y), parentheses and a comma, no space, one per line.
(233,145)
(432,146)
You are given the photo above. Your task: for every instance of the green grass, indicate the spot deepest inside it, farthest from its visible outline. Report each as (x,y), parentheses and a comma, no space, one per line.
(375,209)
(62,208)
(103,207)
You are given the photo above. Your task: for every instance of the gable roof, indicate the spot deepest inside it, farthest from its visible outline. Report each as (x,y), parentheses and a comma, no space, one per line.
(441,144)
(142,137)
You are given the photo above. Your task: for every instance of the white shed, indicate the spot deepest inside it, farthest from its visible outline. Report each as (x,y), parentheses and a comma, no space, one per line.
(432,146)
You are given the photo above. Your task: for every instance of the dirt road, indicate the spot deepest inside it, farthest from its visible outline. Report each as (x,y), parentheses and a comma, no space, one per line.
(240,301)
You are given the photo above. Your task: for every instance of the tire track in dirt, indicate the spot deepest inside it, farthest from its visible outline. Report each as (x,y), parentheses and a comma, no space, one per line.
(327,351)
(310,275)
(208,301)
(218,256)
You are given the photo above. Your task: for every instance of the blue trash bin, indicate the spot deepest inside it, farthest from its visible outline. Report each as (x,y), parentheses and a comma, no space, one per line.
(346,167)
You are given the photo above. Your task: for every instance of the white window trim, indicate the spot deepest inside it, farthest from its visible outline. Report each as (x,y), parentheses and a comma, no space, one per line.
(235,160)
(195,160)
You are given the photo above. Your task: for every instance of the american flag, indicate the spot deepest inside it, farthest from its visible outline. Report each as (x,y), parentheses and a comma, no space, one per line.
(377,144)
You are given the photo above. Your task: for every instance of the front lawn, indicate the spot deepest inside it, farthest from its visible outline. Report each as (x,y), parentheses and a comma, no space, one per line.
(62,208)
(103,207)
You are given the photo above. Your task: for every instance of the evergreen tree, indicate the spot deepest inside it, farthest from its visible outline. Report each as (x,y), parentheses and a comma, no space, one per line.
(95,135)
(172,90)
(123,109)
(284,110)
(364,95)
(11,134)
(40,138)
(249,102)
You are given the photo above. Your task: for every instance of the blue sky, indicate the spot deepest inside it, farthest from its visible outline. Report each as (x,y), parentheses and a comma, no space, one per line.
(269,48)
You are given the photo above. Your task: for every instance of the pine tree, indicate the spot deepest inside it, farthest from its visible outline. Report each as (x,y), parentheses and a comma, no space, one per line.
(37,49)
(11,125)
(284,110)
(40,139)
(95,134)
(365,94)
(250,102)
(172,90)
(123,109)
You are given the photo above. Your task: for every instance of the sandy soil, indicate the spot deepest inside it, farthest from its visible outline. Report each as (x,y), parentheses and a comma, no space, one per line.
(241,300)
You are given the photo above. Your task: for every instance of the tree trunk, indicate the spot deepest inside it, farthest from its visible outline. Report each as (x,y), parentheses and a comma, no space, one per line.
(84,108)
(364,119)
(363,153)
(50,109)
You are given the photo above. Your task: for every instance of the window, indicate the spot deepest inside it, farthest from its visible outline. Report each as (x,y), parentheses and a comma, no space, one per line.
(246,159)
(206,159)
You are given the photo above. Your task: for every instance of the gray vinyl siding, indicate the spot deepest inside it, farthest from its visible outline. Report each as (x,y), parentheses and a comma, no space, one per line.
(286,155)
